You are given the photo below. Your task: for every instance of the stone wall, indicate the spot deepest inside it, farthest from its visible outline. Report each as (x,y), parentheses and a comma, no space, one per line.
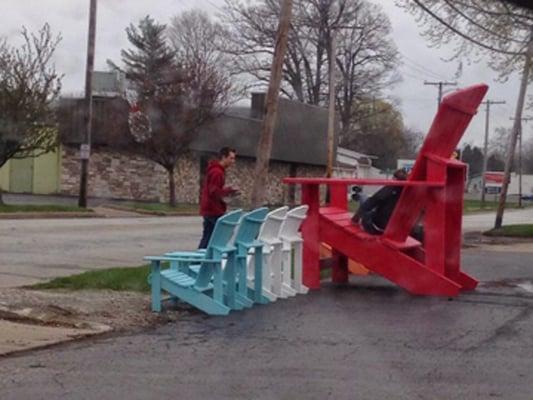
(241,175)
(126,176)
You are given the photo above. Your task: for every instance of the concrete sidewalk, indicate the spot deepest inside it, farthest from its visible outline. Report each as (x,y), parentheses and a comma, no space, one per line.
(31,319)
(31,328)
(17,337)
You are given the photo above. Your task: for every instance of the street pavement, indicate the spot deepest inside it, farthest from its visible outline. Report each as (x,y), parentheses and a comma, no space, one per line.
(485,221)
(34,250)
(365,340)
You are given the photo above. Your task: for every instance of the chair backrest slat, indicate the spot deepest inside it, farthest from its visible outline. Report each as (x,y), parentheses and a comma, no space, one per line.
(224,229)
(291,226)
(272,225)
(222,234)
(250,225)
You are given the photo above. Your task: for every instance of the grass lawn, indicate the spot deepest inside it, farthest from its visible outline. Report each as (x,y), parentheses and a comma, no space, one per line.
(475,205)
(520,230)
(125,279)
(469,206)
(161,208)
(14,208)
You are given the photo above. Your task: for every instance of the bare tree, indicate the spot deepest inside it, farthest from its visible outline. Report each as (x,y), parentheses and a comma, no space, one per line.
(379,132)
(499,143)
(498,28)
(365,52)
(172,97)
(412,142)
(29,86)
(194,36)
(366,59)
(527,156)
(199,39)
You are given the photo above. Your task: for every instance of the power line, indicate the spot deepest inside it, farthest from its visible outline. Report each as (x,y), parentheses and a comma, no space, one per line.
(424,68)
(412,75)
(419,71)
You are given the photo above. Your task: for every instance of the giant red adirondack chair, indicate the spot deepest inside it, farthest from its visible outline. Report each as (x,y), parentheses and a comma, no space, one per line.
(434,186)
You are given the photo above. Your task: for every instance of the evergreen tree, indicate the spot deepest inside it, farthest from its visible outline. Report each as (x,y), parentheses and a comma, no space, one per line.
(170,98)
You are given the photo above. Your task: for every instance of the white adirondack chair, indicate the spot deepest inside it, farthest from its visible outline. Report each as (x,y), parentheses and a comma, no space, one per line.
(286,285)
(272,251)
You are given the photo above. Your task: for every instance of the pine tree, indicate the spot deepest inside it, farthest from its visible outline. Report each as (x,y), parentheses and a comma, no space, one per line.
(169,99)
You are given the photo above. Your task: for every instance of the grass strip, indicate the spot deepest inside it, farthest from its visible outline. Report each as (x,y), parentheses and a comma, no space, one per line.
(519,230)
(132,279)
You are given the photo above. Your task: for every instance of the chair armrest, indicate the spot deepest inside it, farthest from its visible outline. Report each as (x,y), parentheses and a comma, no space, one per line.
(179,259)
(185,254)
(225,249)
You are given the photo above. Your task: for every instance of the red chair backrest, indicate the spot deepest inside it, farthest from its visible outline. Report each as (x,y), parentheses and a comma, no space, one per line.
(454,114)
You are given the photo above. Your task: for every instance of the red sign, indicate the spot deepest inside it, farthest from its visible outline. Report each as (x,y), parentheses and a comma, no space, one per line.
(494,177)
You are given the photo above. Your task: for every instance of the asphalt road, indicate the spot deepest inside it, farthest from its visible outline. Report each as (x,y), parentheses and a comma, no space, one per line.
(367,340)
(37,249)
(485,221)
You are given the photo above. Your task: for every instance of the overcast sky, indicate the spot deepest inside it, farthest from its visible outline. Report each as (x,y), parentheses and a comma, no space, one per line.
(418,101)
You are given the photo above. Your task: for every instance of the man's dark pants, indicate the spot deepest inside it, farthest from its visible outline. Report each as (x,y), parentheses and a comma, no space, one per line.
(209,226)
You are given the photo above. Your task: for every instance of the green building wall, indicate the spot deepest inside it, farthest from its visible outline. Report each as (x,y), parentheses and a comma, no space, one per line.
(4,177)
(44,170)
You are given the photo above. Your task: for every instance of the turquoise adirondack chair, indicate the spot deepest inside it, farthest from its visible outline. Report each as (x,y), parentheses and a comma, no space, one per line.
(234,276)
(205,290)
(246,241)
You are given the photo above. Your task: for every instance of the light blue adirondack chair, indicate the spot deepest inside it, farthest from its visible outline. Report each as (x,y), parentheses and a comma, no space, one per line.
(234,276)
(205,290)
(245,242)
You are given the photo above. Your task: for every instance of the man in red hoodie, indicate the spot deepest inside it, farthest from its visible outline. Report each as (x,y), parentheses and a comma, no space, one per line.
(212,204)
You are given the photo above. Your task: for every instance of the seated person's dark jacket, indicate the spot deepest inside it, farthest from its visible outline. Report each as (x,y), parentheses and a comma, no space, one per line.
(375,212)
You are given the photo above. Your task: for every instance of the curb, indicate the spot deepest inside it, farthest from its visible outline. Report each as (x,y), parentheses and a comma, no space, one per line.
(50,215)
(153,213)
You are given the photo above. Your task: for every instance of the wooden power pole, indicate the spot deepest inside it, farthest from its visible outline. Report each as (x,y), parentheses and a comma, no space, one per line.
(85,148)
(514,134)
(486,149)
(264,148)
(331,106)
(440,84)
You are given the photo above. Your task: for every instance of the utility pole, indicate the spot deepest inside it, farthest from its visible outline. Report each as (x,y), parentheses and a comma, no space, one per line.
(440,84)
(264,148)
(85,148)
(514,135)
(524,119)
(332,84)
(486,148)
(331,106)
